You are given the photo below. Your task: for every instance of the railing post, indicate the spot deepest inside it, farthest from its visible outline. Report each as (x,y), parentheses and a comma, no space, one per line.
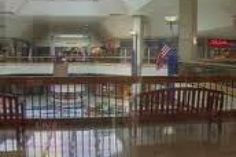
(148,53)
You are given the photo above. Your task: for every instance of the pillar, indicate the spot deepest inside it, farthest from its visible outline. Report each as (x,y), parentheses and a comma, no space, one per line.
(137,57)
(2,20)
(188,30)
(206,49)
(138,49)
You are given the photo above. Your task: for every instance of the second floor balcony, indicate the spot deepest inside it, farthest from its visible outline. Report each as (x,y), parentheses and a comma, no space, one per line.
(104,65)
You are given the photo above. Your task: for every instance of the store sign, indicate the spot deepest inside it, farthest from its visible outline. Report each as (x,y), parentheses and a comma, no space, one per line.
(221,43)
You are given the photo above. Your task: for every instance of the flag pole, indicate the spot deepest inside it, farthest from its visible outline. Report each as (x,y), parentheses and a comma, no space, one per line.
(171,20)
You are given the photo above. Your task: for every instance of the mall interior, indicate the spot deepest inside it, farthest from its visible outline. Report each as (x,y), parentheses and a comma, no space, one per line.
(117,78)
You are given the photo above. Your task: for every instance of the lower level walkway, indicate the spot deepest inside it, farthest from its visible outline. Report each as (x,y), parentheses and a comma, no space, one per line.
(163,140)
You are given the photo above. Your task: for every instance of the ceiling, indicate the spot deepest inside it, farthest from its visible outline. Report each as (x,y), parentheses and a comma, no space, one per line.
(216,18)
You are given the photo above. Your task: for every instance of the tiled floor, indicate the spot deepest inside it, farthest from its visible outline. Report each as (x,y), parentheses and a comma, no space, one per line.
(192,141)
(179,140)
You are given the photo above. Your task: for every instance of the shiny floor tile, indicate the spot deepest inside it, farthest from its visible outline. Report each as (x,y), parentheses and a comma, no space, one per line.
(152,141)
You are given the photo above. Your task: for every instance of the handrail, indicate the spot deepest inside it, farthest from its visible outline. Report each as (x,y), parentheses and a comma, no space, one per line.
(88,58)
(211,63)
(26,58)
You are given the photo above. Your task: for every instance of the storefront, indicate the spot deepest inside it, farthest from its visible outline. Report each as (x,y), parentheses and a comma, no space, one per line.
(221,48)
(73,46)
(12,47)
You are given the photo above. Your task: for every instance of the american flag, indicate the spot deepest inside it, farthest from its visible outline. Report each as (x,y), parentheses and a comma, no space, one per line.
(162,56)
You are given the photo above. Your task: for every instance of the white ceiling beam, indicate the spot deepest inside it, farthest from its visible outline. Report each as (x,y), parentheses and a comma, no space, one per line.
(11,6)
(135,5)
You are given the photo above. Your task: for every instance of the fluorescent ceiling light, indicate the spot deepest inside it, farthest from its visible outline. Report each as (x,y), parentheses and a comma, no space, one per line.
(132,32)
(171,18)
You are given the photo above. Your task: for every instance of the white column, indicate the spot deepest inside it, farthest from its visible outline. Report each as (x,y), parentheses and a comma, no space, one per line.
(2,20)
(136,64)
(188,29)
(137,45)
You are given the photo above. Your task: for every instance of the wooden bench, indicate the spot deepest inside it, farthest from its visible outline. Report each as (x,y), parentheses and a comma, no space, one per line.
(184,103)
(11,111)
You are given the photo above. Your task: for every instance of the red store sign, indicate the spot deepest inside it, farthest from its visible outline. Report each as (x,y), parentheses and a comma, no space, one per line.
(221,43)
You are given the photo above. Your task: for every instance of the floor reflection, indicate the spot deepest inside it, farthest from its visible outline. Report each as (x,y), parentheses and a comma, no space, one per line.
(160,140)
(73,143)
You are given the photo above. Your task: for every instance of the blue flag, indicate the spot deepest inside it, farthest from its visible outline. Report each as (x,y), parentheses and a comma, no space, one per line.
(172,62)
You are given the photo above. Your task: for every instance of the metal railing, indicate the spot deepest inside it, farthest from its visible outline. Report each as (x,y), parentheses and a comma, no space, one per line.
(122,56)
(74,59)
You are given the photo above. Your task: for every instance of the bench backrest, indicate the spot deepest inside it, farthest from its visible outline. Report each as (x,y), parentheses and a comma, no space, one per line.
(181,100)
(10,109)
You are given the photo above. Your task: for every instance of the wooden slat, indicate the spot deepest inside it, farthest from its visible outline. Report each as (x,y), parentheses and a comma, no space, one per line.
(4,108)
(178,100)
(219,87)
(162,94)
(157,102)
(203,100)
(183,100)
(10,107)
(193,100)
(188,100)
(198,100)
